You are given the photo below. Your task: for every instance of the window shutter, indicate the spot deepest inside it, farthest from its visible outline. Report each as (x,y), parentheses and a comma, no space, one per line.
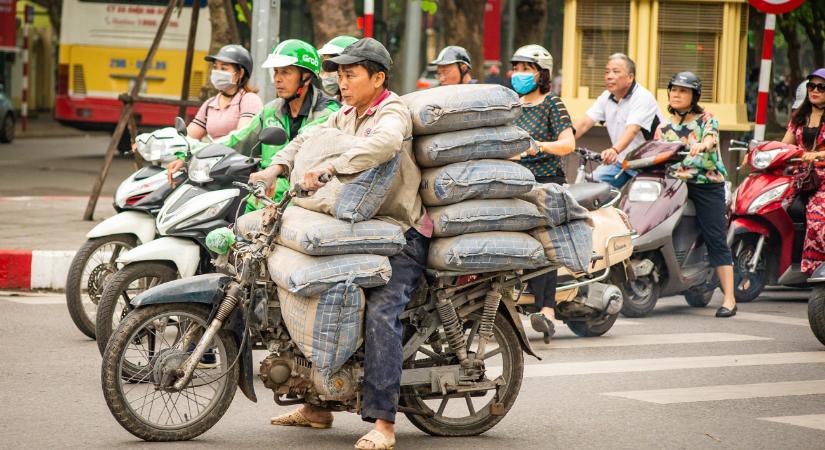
(604,27)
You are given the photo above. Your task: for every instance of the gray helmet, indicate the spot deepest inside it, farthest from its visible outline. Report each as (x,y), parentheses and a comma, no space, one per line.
(453,54)
(233,54)
(687,80)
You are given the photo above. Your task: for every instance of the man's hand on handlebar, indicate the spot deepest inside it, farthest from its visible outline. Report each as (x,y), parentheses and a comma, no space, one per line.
(316,179)
(610,156)
(172,169)
(266,176)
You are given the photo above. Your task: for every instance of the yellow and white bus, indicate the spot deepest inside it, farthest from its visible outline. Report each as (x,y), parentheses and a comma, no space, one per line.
(102,47)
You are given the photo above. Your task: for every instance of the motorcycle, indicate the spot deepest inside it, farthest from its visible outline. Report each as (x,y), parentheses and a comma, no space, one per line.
(205,202)
(669,254)
(138,199)
(767,223)
(463,345)
(589,303)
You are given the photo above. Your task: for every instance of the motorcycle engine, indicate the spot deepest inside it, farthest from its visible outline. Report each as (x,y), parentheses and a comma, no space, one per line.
(289,374)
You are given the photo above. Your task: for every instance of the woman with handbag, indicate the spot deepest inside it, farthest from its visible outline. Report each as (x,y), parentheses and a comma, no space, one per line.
(704,173)
(807,130)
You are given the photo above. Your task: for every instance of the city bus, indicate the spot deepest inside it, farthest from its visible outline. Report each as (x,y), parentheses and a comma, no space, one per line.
(102,47)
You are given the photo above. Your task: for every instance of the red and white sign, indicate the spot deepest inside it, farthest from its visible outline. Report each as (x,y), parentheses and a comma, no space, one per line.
(8,25)
(776,6)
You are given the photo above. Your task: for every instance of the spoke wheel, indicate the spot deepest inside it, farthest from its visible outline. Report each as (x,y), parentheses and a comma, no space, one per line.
(125,285)
(467,414)
(151,339)
(90,270)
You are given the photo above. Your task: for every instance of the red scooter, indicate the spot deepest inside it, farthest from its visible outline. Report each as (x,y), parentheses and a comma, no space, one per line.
(767,222)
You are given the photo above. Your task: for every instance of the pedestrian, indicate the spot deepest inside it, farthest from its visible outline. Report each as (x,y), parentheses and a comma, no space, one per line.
(333,48)
(807,130)
(453,66)
(704,173)
(630,113)
(236,103)
(545,117)
(382,122)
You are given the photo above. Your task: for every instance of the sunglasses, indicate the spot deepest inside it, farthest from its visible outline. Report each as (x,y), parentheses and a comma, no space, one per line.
(819,87)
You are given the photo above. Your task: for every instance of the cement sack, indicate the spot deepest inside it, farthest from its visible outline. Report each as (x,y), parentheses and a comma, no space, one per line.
(460,107)
(483,179)
(474,216)
(327,327)
(317,234)
(569,244)
(486,252)
(352,198)
(311,275)
(555,203)
(502,142)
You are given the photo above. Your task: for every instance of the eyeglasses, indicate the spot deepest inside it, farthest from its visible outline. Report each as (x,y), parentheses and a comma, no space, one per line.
(819,87)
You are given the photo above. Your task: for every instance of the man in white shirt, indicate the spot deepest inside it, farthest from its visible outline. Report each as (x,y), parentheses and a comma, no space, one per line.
(629,112)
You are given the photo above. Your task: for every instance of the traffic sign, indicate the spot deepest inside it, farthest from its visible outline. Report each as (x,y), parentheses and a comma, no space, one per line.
(776,6)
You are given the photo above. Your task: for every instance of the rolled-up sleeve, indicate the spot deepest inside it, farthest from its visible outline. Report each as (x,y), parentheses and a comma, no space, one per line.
(286,157)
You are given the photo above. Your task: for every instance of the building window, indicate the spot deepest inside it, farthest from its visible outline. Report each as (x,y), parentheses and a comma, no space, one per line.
(689,35)
(603,27)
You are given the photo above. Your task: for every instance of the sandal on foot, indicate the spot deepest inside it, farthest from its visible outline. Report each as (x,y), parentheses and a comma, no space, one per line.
(551,331)
(539,323)
(378,439)
(296,419)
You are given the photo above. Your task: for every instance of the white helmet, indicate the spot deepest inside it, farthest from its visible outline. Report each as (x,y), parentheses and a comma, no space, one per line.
(801,93)
(535,54)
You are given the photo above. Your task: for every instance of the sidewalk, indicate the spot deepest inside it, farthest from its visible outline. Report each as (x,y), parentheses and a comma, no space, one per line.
(43,125)
(39,236)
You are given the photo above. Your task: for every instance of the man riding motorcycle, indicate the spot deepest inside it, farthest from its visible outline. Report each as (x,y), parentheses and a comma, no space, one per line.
(453,66)
(295,64)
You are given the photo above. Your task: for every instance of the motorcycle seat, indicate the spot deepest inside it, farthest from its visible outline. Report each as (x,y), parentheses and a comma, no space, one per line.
(591,195)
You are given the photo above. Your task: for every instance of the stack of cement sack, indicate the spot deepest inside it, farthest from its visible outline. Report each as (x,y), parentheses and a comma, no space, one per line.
(322,264)
(462,141)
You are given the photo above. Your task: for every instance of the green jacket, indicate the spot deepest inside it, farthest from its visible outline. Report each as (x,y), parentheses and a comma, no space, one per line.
(276,114)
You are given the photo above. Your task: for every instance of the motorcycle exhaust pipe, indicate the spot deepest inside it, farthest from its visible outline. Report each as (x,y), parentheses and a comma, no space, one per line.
(604,297)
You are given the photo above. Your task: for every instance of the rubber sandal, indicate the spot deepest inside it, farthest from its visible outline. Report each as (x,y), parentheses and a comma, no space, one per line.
(378,439)
(296,419)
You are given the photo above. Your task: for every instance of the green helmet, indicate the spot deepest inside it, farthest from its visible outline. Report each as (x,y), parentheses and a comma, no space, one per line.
(336,45)
(294,52)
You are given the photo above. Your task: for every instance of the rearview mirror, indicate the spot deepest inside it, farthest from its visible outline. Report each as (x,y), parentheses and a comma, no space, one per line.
(180,126)
(273,136)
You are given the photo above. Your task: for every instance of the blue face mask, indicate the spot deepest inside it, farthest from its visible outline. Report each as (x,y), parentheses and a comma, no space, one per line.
(523,82)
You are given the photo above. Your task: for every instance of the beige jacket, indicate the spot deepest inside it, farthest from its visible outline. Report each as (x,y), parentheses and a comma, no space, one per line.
(387,130)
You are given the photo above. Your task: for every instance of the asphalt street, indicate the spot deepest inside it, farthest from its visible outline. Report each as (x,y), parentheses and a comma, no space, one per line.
(677,379)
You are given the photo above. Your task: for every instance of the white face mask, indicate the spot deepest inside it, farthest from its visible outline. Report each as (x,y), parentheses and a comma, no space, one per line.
(329,83)
(221,79)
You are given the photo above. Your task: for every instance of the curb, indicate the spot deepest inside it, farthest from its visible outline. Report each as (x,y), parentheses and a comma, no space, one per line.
(34,269)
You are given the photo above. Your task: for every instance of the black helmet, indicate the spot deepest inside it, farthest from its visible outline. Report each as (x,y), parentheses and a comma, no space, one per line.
(453,54)
(687,80)
(234,54)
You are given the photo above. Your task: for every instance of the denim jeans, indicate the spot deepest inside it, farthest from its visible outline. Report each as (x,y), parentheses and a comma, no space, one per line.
(383,353)
(607,174)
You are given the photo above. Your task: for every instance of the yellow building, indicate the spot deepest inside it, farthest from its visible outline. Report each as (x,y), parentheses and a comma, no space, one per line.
(663,37)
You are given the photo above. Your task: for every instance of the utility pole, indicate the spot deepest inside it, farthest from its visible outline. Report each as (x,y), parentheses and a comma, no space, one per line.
(412,45)
(266,29)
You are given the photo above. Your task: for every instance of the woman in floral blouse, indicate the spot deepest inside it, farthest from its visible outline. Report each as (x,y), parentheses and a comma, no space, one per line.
(544,116)
(704,173)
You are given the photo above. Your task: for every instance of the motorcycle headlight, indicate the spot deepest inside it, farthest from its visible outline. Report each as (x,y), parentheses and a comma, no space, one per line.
(207,214)
(762,160)
(768,197)
(199,169)
(644,191)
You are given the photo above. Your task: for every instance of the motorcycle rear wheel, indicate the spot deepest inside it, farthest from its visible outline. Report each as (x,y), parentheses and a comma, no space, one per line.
(85,283)
(816,313)
(168,416)
(502,350)
(592,328)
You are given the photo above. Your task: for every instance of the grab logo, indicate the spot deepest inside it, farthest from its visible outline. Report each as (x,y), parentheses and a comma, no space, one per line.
(776,6)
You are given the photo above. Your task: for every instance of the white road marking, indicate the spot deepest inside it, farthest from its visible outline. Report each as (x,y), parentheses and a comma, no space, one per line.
(35,300)
(680,363)
(724,392)
(649,339)
(756,317)
(815,421)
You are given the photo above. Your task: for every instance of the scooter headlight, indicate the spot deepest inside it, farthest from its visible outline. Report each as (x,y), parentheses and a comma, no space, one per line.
(644,191)
(768,197)
(199,169)
(761,160)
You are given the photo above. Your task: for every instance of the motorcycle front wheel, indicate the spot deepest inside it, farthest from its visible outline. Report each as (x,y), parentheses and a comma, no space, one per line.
(145,403)
(592,328)
(468,414)
(640,296)
(747,286)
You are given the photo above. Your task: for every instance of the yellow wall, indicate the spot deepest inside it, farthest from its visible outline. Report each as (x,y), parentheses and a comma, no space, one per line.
(643,48)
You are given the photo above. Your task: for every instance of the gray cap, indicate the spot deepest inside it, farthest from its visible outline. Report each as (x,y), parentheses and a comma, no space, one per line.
(366,49)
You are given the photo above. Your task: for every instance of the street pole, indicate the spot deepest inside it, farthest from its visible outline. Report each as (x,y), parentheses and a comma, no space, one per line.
(369,12)
(412,45)
(266,22)
(24,101)
(764,78)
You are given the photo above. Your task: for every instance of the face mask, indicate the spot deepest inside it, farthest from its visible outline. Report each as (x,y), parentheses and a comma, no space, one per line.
(221,79)
(523,82)
(330,84)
